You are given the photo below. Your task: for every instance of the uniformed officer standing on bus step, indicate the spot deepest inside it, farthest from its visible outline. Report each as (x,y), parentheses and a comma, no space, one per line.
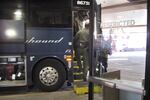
(82,42)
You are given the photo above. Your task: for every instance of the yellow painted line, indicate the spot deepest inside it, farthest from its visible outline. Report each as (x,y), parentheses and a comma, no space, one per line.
(78,73)
(84,90)
(78,80)
(76,67)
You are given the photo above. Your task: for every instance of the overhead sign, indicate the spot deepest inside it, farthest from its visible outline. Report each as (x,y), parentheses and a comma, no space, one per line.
(122,23)
(81,4)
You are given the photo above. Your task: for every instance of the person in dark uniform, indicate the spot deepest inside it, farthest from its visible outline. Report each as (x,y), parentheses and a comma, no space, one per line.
(82,43)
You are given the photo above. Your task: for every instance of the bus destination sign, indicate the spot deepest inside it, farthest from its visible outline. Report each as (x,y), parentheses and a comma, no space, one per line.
(81,4)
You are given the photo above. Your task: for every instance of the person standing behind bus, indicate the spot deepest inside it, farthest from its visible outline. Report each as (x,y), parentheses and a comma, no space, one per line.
(82,41)
(104,52)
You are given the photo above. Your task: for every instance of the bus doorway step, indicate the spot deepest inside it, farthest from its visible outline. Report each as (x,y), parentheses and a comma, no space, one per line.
(81,87)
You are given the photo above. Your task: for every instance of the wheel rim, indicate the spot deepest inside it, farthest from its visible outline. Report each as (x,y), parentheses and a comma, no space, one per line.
(48,75)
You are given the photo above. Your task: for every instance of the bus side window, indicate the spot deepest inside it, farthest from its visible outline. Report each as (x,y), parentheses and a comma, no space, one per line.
(49,14)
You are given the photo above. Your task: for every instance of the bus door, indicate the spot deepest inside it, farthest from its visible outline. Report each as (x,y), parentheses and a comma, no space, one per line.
(12,47)
(80,16)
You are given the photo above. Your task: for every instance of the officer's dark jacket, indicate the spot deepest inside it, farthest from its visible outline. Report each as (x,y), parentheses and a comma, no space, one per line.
(82,38)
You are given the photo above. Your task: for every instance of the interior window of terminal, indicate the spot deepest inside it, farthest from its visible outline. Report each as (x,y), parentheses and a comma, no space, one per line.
(122,54)
(127,32)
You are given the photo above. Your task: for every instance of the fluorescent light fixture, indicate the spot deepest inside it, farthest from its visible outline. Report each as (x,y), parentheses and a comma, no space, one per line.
(10,33)
(18,14)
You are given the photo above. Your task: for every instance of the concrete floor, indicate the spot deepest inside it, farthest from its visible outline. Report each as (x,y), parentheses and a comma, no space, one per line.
(58,95)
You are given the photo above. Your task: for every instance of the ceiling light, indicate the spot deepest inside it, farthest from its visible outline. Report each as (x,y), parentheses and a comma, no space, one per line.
(10,33)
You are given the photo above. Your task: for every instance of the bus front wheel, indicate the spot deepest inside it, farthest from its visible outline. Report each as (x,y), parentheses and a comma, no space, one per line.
(49,75)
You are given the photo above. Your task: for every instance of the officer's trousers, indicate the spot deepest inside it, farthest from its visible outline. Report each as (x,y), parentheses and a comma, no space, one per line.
(82,54)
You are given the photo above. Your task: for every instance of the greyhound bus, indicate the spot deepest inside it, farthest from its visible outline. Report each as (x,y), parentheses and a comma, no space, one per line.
(36,42)
(36,46)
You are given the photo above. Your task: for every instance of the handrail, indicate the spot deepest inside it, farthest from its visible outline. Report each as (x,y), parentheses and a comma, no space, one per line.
(119,84)
(102,81)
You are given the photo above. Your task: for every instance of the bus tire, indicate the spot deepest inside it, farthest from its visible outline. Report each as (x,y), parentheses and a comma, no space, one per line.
(49,75)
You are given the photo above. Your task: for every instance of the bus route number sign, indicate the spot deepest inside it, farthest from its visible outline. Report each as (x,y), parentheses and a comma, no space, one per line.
(81,4)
